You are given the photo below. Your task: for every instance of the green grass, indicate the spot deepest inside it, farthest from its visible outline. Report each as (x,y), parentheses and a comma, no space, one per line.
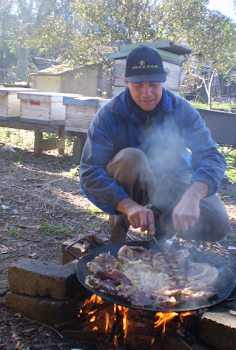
(214,105)
(12,231)
(17,138)
(24,139)
(94,210)
(74,171)
(50,229)
(230,156)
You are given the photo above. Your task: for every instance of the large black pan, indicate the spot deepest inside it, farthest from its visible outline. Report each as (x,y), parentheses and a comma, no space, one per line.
(224,286)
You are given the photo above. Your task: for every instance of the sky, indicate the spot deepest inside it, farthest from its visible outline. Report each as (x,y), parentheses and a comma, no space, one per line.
(224,6)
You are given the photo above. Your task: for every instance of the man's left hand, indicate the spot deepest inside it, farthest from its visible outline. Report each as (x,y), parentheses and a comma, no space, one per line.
(187,212)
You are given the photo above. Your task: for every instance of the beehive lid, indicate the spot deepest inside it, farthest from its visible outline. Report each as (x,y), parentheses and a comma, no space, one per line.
(44,96)
(85,101)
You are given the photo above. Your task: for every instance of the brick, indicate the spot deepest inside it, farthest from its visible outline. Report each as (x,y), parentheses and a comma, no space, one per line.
(38,278)
(48,311)
(218,329)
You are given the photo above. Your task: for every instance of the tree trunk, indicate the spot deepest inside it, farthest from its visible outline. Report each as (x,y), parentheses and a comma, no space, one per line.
(4,63)
(22,72)
(210,88)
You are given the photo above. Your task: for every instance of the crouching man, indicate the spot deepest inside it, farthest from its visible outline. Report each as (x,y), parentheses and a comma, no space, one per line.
(150,162)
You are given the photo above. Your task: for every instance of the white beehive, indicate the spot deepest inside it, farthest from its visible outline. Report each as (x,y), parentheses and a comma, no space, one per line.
(9,103)
(43,107)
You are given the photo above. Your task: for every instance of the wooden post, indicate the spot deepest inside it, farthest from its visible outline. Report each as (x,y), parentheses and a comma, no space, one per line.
(38,139)
(40,144)
(78,149)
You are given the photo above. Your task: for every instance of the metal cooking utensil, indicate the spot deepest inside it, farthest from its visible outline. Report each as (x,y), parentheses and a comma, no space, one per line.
(168,243)
(153,239)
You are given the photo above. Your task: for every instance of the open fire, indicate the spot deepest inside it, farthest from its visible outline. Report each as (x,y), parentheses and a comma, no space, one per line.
(115,323)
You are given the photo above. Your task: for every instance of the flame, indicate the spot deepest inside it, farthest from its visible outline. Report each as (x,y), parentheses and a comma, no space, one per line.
(107,321)
(92,312)
(95,299)
(115,339)
(93,319)
(125,328)
(123,310)
(184,314)
(163,318)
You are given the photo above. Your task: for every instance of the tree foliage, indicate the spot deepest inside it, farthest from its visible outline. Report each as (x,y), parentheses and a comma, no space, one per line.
(97,28)
(82,31)
(8,27)
(210,33)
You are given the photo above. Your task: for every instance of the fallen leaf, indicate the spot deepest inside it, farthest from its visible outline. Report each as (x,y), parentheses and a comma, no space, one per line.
(29,330)
(32,256)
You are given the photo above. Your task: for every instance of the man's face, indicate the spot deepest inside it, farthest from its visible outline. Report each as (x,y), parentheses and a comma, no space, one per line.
(146,94)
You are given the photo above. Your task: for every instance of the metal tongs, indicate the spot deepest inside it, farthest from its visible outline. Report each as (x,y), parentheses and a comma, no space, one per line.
(168,243)
(153,239)
(165,247)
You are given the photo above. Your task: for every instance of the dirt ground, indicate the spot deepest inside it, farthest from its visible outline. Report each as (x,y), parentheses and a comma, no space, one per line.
(43,206)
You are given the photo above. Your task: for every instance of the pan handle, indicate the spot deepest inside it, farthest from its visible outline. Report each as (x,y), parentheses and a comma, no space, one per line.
(78,241)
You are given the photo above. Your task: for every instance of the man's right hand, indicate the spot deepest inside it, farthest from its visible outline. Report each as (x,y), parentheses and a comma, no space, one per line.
(137,215)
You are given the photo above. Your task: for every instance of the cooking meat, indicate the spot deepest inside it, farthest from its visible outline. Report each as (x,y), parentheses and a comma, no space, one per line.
(179,257)
(133,253)
(107,281)
(103,262)
(207,277)
(145,279)
(165,301)
(159,262)
(177,260)
(140,298)
(196,294)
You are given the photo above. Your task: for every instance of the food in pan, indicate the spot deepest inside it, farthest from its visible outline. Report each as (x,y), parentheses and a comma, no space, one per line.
(145,279)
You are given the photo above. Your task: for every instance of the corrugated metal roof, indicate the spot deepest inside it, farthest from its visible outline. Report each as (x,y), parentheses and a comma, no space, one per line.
(165,45)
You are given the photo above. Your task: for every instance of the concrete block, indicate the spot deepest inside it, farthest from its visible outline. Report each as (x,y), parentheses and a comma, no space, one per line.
(218,329)
(40,278)
(48,311)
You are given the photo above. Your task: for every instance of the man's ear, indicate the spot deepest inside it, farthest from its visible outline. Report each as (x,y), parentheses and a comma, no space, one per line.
(125,80)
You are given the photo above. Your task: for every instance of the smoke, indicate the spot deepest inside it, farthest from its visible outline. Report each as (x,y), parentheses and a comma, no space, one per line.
(165,149)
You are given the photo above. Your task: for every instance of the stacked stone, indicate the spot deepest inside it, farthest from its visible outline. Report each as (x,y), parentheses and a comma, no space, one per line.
(43,291)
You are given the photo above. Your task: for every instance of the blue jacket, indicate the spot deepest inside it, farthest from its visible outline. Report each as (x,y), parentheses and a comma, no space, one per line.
(173,136)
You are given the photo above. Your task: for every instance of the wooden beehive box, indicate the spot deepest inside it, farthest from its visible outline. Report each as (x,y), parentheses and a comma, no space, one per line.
(172,55)
(80,111)
(43,107)
(173,70)
(10,104)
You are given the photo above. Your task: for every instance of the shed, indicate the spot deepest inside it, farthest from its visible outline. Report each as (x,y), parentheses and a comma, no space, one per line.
(172,55)
(43,63)
(89,80)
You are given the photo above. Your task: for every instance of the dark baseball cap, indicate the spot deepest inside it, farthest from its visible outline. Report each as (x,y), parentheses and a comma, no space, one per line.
(144,64)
